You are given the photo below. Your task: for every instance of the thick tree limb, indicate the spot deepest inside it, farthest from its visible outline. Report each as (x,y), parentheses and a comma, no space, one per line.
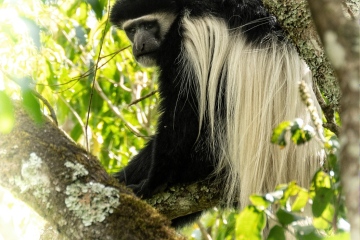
(185,199)
(341,38)
(70,189)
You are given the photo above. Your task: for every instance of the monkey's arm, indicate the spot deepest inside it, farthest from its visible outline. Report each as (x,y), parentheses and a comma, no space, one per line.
(178,153)
(138,168)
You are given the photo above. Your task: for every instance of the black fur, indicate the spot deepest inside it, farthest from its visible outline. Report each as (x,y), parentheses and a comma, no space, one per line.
(177,153)
(124,10)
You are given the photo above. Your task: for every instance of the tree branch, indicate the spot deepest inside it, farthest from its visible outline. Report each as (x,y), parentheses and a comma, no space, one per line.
(70,189)
(184,199)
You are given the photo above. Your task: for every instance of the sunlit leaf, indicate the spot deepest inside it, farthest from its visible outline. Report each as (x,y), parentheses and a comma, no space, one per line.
(322,179)
(301,134)
(301,200)
(260,202)
(278,136)
(289,190)
(325,220)
(321,200)
(250,224)
(7,118)
(32,106)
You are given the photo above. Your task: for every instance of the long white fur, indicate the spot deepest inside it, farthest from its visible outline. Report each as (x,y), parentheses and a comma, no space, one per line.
(261,87)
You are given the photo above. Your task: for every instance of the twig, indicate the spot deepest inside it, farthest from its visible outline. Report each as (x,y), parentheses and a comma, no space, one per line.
(78,118)
(115,109)
(204,233)
(328,112)
(36,94)
(142,98)
(47,104)
(94,78)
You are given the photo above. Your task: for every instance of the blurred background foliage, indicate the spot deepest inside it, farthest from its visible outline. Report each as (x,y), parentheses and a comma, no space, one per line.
(53,47)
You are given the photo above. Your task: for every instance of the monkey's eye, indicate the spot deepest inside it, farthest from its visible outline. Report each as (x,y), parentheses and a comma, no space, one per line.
(149,25)
(130,31)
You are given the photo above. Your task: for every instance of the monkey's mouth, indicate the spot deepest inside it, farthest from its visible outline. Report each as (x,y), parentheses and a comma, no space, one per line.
(151,54)
(147,59)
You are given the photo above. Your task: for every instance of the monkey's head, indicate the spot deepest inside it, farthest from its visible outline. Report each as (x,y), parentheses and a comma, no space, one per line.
(146,23)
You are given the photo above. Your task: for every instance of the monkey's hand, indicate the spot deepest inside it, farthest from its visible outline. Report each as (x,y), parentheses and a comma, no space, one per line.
(141,190)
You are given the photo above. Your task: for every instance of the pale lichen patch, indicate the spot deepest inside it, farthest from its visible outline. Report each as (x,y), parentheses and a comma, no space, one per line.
(78,170)
(34,178)
(91,202)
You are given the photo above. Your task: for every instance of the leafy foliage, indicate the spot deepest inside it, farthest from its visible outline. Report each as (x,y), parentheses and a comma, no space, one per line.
(250,223)
(314,213)
(53,48)
(300,133)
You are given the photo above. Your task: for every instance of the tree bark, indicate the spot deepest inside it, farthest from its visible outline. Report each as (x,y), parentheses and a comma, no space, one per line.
(341,39)
(69,188)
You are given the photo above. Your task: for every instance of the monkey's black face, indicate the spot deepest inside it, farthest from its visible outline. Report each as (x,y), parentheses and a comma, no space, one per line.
(146,34)
(145,37)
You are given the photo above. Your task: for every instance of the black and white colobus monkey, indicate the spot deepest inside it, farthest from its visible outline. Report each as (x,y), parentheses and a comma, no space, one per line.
(227,77)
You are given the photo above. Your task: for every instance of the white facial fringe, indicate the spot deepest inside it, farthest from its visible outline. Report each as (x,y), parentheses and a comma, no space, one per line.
(261,90)
(165,18)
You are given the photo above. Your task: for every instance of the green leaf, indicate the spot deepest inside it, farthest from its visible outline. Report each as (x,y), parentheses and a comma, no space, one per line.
(326,218)
(285,217)
(276,233)
(301,134)
(278,136)
(7,117)
(250,224)
(32,106)
(321,200)
(260,202)
(333,163)
(301,200)
(98,7)
(289,190)
(76,132)
(322,179)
